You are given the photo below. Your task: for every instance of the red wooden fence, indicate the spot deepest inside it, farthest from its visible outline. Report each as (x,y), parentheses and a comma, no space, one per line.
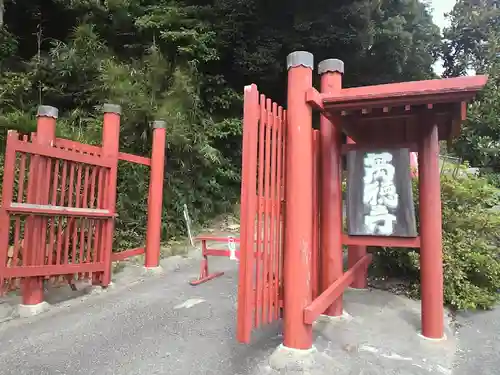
(59,205)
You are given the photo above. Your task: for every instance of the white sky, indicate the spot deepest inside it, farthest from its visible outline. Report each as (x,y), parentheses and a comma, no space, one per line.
(439,8)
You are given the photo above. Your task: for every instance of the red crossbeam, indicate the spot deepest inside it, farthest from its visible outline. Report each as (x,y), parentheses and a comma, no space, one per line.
(320,304)
(122,255)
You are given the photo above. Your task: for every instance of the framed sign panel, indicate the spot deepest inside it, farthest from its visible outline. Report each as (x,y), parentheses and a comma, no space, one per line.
(379,194)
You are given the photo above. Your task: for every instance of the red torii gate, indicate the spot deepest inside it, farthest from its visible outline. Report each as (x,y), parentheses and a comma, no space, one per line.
(288,245)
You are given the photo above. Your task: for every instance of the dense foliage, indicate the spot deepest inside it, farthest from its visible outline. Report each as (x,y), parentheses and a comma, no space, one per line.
(186,61)
(471,255)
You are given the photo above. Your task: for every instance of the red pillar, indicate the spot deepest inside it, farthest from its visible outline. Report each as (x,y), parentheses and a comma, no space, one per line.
(299,199)
(355,253)
(331,71)
(155,200)
(32,287)
(431,260)
(110,149)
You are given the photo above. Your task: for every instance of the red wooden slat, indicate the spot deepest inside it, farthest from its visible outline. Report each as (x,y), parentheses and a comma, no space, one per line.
(248,259)
(315,246)
(61,203)
(273,248)
(7,189)
(279,173)
(134,158)
(267,208)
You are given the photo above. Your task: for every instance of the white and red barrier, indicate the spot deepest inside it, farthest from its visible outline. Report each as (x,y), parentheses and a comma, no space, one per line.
(206,251)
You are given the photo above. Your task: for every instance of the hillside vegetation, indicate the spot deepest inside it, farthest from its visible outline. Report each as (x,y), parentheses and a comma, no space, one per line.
(186,61)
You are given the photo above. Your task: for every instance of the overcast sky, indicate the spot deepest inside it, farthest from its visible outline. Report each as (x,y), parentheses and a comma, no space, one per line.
(439,8)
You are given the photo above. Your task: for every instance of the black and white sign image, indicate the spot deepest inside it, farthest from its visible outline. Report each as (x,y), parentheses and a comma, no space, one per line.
(379,194)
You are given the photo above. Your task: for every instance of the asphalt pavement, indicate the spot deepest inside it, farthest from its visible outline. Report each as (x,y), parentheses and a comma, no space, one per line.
(162,325)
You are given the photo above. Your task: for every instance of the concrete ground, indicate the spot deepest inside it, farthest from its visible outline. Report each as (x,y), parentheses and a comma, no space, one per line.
(161,325)
(479,337)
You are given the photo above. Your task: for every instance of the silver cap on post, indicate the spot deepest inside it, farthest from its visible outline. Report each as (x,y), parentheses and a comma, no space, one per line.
(300,58)
(159,124)
(331,65)
(112,108)
(47,111)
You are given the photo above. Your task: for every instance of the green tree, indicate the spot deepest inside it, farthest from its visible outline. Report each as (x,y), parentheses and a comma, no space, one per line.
(472,43)
(187,61)
(467,41)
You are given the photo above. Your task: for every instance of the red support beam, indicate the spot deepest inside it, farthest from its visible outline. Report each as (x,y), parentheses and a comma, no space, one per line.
(334,291)
(383,241)
(122,255)
(314,99)
(431,257)
(299,208)
(32,287)
(331,71)
(40,272)
(155,200)
(134,158)
(110,146)
(413,147)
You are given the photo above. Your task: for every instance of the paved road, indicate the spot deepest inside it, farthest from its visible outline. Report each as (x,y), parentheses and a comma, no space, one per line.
(163,325)
(479,343)
(159,326)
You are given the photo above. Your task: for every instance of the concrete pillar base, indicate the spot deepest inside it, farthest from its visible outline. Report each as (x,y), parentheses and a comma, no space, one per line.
(444,338)
(153,271)
(25,311)
(327,318)
(289,359)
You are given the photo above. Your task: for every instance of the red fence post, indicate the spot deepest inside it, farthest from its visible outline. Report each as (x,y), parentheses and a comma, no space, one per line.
(355,253)
(110,149)
(299,207)
(155,199)
(32,287)
(332,267)
(431,258)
